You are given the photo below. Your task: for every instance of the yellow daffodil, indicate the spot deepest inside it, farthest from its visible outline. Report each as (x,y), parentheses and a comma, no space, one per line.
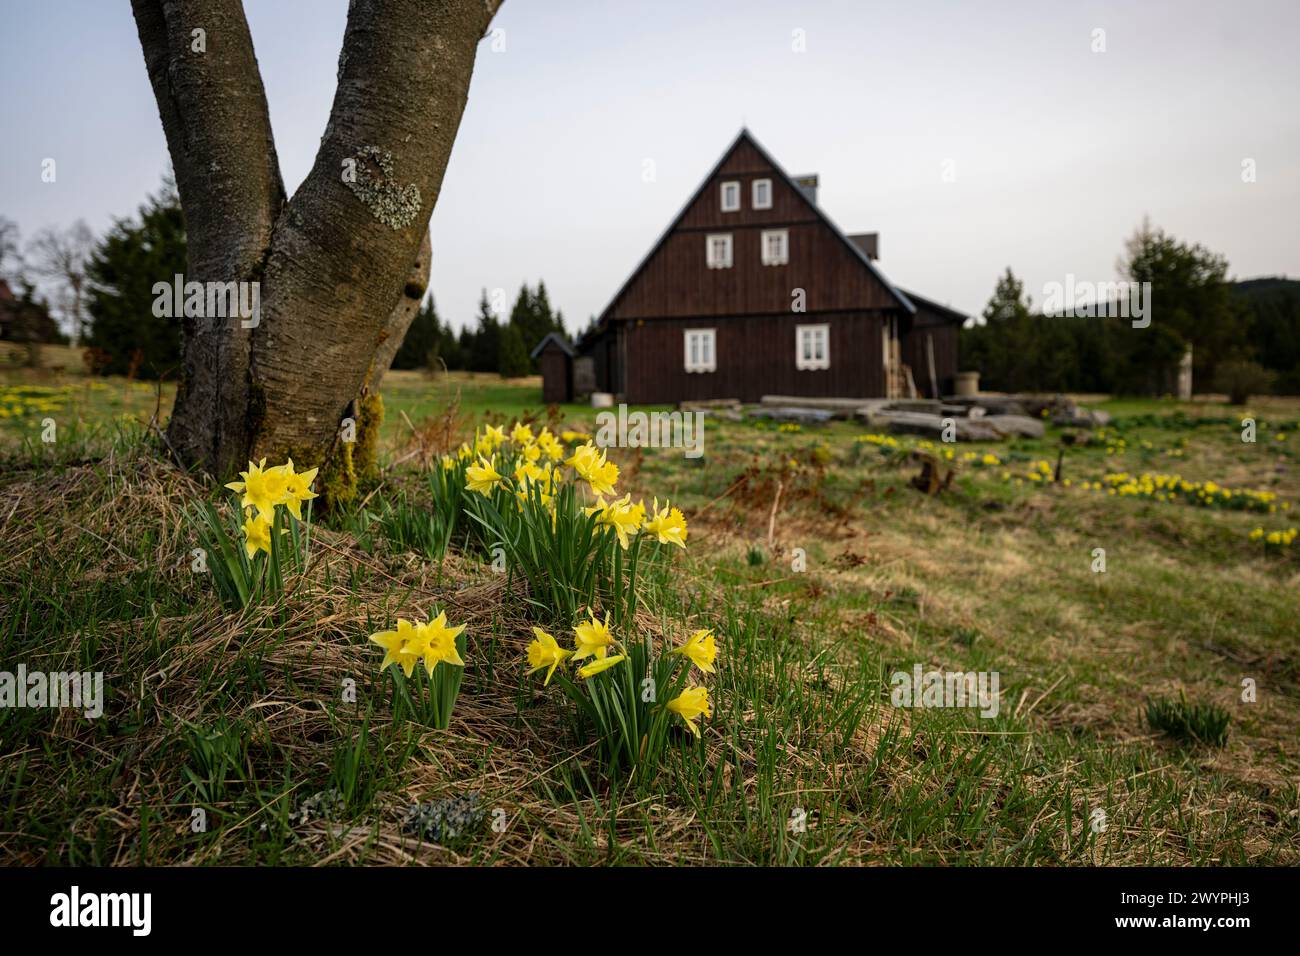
(668,525)
(598,665)
(297,487)
(521,434)
(262,488)
(399,646)
(690,704)
(624,517)
(592,638)
(593,468)
(550,447)
(570,437)
(436,642)
(701,648)
(544,651)
(527,471)
(482,477)
(257,534)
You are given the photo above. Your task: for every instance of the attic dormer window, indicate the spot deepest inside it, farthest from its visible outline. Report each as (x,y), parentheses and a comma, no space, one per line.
(730,197)
(762,194)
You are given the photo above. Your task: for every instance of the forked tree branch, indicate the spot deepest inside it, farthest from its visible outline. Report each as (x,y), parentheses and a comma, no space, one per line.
(205,78)
(334,260)
(214,114)
(346,242)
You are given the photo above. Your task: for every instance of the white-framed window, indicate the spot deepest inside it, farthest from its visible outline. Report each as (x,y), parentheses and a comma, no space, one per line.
(812,347)
(717,250)
(701,354)
(762,194)
(730,196)
(775,246)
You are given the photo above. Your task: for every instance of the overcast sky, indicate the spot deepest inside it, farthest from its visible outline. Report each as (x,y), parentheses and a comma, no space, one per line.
(1055,151)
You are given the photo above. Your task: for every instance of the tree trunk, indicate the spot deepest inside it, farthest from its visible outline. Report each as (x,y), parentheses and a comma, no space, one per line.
(337,264)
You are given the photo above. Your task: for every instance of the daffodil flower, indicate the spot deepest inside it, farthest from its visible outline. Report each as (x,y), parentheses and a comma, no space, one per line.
(549,445)
(436,642)
(702,650)
(398,646)
(257,534)
(592,638)
(593,468)
(262,488)
(297,487)
(598,665)
(668,525)
(482,477)
(545,651)
(690,704)
(623,517)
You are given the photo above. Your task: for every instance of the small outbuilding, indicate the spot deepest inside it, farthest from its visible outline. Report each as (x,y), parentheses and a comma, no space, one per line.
(555,356)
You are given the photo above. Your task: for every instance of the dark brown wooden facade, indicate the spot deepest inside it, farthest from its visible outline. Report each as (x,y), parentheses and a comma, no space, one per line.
(752,308)
(935,331)
(555,356)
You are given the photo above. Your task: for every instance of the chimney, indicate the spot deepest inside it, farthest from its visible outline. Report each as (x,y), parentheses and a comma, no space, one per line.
(869,243)
(808,186)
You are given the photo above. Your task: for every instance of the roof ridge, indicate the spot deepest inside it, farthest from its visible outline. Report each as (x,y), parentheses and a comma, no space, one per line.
(746,136)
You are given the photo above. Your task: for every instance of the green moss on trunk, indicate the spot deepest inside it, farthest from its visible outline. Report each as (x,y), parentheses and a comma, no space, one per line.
(370,416)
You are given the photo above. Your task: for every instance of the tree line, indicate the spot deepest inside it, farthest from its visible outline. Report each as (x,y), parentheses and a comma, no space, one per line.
(491,345)
(1244,336)
(104,292)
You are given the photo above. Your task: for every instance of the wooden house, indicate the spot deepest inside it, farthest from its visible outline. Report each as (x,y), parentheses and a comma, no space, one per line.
(753,291)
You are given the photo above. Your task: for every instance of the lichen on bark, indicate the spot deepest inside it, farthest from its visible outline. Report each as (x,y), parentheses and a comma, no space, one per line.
(393,205)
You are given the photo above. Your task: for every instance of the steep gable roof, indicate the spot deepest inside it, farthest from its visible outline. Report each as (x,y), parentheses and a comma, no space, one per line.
(745,137)
(559,341)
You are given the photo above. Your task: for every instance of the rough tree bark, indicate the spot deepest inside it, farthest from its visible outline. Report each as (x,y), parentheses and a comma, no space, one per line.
(342,265)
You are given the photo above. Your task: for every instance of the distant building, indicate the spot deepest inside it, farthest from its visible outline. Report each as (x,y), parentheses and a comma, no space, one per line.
(753,291)
(23,319)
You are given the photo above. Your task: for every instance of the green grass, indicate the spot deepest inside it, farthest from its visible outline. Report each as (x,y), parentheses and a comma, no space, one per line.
(274,725)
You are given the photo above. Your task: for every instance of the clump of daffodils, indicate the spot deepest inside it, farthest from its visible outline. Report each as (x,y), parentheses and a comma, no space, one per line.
(250,555)
(438,646)
(1274,540)
(626,692)
(886,444)
(1205,494)
(552,506)
(520,462)
(265,489)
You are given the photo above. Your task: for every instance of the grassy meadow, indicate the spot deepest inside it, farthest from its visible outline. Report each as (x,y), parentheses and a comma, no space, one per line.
(268,735)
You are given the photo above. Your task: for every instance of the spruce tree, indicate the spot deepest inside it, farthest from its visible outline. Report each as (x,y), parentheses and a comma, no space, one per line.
(122,271)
